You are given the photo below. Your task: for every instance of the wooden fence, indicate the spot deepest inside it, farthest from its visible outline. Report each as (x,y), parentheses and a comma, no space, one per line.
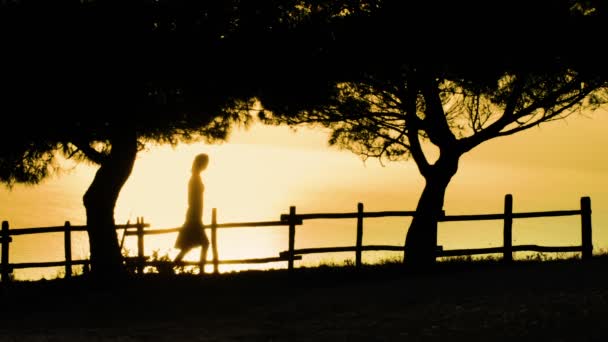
(586,247)
(292,220)
(137,229)
(6,267)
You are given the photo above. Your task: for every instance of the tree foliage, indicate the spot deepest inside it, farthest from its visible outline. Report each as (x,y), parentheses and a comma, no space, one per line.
(79,72)
(491,70)
(96,80)
(455,74)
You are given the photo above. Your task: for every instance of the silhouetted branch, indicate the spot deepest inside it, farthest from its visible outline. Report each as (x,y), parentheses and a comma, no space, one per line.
(413,131)
(554,115)
(435,123)
(91,153)
(511,116)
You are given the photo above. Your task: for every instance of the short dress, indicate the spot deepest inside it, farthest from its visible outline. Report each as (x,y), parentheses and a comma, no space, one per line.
(192,234)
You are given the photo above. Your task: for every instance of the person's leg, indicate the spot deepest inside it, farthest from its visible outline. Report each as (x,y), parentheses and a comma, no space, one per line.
(204,248)
(180,256)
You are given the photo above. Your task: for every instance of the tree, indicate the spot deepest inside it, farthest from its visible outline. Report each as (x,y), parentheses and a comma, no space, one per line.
(455,74)
(94,81)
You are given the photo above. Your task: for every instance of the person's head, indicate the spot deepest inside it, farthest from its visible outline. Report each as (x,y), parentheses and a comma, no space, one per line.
(200,163)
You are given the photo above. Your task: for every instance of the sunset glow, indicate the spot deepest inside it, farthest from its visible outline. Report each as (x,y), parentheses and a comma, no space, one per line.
(262,171)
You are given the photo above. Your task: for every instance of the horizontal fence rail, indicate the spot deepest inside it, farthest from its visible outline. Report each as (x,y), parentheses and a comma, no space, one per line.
(350,215)
(66,229)
(514,215)
(507,216)
(61,229)
(135,229)
(521,248)
(291,221)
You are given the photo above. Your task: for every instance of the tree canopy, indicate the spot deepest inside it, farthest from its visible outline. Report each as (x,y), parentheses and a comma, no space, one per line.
(455,74)
(79,71)
(94,80)
(75,71)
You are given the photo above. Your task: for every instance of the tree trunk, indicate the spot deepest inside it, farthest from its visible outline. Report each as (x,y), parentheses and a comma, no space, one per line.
(421,239)
(100,200)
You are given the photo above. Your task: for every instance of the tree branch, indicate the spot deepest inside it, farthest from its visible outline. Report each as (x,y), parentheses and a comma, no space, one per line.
(89,152)
(509,115)
(545,118)
(435,121)
(414,129)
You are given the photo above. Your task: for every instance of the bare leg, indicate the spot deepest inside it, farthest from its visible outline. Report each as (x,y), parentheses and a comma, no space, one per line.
(203,260)
(180,256)
(204,249)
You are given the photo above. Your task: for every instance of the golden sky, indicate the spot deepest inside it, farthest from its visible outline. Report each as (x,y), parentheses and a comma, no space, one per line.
(263,170)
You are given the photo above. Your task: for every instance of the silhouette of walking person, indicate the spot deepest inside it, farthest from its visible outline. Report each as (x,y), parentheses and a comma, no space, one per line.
(192,234)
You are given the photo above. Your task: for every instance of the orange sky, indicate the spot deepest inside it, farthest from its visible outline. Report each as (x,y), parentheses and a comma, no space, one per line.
(260,172)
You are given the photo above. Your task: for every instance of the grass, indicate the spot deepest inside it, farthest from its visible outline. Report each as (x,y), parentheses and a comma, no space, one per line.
(478,299)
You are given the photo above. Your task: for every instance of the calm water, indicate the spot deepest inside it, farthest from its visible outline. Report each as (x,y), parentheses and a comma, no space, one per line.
(253,179)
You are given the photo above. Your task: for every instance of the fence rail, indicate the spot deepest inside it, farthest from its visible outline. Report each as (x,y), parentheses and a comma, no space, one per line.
(292,220)
(514,215)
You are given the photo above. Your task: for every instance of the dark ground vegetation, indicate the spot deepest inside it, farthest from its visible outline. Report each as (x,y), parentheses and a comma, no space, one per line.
(559,300)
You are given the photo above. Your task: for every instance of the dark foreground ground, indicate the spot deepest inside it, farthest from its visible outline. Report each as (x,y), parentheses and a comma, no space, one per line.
(527,301)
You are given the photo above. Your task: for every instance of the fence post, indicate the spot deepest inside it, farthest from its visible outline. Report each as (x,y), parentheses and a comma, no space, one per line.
(359,235)
(140,245)
(507,255)
(292,236)
(214,240)
(6,240)
(587,244)
(67,246)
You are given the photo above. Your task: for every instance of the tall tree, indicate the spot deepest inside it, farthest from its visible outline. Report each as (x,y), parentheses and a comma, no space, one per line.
(95,80)
(451,73)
